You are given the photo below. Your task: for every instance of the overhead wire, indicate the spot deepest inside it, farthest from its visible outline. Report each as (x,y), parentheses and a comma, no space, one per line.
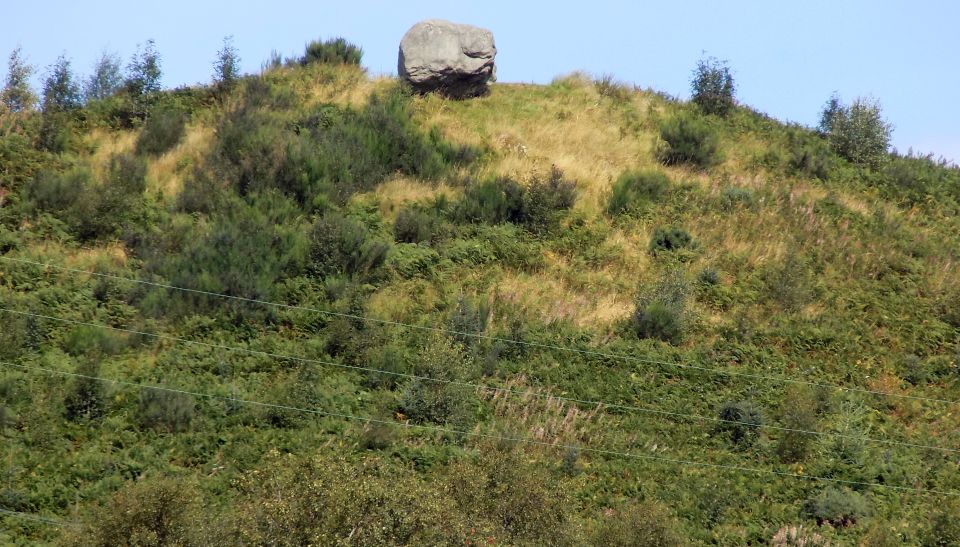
(494,389)
(505,438)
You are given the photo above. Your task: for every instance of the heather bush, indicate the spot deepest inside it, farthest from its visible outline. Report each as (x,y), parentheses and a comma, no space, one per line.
(332,51)
(634,190)
(687,139)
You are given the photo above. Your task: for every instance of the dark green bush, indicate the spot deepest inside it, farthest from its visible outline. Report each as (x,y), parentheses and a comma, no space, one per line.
(712,87)
(688,140)
(661,312)
(85,340)
(810,156)
(838,507)
(537,207)
(414,225)
(165,410)
(163,129)
(917,179)
(243,250)
(85,399)
(742,421)
(670,239)
(342,246)
(944,528)
(634,190)
(708,276)
(332,51)
(468,320)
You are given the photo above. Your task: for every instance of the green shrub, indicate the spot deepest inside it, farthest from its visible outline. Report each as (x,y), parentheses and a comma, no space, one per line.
(944,526)
(150,512)
(165,410)
(857,132)
(741,422)
(86,340)
(688,140)
(340,245)
(708,276)
(545,200)
(537,207)
(661,312)
(733,197)
(243,250)
(468,320)
(85,399)
(332,51)
(712,87)
(425,401)
(163,129)
(798,411)
(634,190)
(410,261)
(645,524)
(809,156)
(917,179)
(414,225)
(670,239)
(838,507)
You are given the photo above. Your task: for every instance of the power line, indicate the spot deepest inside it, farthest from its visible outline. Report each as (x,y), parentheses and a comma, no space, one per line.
(36,518)
(527,440)
(490,388)
(480,336)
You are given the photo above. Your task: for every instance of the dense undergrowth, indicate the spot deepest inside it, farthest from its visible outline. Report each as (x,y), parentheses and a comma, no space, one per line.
(608,220)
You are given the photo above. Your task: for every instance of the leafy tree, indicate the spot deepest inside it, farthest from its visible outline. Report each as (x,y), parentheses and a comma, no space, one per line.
(106,78)
(143,72)
(713,87)
(857,132)
(17,95)
(60,89)
(226,69)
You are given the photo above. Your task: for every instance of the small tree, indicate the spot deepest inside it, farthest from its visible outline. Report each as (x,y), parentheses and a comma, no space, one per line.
(712,86)
(143,72)
(106,78)
(60,90)
(857,132)
(226,69)
(17,95)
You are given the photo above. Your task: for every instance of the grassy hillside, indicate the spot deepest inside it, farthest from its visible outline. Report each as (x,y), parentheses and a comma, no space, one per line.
(766,308)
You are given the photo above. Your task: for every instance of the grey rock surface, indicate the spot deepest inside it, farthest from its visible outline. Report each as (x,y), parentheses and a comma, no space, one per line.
(453,59)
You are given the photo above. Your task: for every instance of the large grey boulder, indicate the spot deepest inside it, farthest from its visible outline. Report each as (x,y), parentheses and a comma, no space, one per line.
(453,59)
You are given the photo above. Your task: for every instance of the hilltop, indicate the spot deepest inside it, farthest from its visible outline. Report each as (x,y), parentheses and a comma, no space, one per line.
(735,291)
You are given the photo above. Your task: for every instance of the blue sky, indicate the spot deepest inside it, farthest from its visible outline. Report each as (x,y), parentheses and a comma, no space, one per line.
(787,57)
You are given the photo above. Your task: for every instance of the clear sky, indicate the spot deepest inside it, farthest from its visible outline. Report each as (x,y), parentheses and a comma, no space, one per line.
(787,57)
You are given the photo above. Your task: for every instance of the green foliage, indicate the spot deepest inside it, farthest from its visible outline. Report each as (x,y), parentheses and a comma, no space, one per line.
(944,527)
(163,129)
(243,250)
(741,422)
(332,51)
(342,246)
(688,140)
(60,90)
(634,190)
(17,95)
(165,410)
(85,398)
(226,69)
(84,340)
(445,401)
(645,524)
(917,179)
(838,507)
(148,513)
(468,320)
(734,197)
(661,311)
(712,87)
(143,71)
(857,132)
(668,239)
(331,153)
(798,411)
(538,207)
(809,156)
(414,225)
(105,80)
